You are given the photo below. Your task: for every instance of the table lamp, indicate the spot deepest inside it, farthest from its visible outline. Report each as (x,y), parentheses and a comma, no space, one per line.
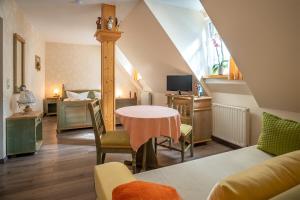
(26,99)
(56,92)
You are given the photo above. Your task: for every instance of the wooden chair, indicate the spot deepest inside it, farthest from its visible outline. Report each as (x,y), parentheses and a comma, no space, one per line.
(185,106)
(108,141)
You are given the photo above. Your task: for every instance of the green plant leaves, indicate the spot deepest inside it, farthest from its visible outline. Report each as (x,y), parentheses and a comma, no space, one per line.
(223,64)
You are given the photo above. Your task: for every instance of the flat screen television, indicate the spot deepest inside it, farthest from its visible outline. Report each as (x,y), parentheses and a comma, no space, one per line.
(179,83)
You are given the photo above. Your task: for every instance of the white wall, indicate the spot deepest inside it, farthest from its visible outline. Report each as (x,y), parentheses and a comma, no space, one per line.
(15,22)
(187,29)
(265,46)
(150,50)
(75,66)
(221,95)
(79,67)
(123,84)
(263,38)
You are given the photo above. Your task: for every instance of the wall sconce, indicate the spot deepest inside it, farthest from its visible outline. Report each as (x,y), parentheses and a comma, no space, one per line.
(118,93)
(56,92)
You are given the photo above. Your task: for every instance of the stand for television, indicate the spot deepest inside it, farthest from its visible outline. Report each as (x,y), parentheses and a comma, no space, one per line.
(202,123)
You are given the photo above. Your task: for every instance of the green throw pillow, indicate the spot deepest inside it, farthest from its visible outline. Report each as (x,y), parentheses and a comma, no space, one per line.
(279,136)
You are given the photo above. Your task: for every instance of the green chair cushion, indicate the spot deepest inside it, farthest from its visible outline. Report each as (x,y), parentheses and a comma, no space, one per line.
(185,129)
(279,136)
(115,139)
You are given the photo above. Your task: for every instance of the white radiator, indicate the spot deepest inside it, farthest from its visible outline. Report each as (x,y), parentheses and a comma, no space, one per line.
(231,124)
(146,98)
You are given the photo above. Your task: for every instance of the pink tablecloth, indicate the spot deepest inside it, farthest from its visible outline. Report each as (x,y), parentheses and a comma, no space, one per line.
(144,122)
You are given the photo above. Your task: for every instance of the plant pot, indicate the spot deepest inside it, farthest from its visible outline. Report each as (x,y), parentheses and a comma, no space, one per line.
(220,71)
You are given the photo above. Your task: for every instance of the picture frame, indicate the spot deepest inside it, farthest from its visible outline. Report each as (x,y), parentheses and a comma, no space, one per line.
(37,63)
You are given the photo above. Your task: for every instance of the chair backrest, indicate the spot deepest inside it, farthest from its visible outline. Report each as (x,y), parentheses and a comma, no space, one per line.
(97,121)
(185,106)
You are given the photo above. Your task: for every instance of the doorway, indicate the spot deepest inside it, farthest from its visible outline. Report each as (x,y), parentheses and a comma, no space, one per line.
(2,136)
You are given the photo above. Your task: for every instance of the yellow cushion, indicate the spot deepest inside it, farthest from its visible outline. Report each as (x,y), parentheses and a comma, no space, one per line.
(185,129)
(108,176)
(115,139)
(291,194)
(262,181)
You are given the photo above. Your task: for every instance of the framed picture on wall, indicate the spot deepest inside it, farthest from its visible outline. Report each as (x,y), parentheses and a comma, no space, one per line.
(37,63)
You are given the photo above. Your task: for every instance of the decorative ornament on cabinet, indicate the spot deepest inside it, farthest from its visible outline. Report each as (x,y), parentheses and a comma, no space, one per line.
(117,24)
(110,23)
(99,23)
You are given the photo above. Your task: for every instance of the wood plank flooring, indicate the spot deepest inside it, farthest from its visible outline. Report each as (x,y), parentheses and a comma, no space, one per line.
(63,168)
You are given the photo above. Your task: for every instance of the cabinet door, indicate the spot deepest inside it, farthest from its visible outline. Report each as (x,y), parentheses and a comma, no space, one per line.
(20,136)
(202,125)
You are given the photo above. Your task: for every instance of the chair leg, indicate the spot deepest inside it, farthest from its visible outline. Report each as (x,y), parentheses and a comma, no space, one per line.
(170,142)
(99,158)
(191,145)
(134,162)
(155,146)
(144,163)
(182,149)
(103,157)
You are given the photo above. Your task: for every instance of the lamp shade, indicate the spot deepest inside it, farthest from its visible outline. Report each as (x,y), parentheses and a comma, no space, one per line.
(26,98)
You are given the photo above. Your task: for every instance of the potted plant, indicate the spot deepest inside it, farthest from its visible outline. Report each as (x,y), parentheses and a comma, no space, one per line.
(222,62)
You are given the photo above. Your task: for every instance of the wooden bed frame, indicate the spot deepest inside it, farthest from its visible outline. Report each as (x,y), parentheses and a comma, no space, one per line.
(75,114)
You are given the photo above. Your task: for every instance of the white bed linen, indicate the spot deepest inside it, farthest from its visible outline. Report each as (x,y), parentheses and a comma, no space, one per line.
(74,96)
(194,179)
(70,99)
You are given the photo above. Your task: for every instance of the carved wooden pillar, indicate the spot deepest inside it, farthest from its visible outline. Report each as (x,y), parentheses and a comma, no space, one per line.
(108,39)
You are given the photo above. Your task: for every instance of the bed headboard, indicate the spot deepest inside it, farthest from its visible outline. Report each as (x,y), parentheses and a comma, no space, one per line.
(90,95)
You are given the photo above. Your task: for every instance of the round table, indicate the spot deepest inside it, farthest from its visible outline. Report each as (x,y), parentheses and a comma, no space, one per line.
(144,122)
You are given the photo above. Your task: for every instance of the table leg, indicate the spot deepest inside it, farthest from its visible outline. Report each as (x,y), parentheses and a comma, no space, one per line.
(146,157)
(144,167)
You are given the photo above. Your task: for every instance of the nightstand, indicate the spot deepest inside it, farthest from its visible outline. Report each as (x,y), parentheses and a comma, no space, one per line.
(24,133)
(50,106)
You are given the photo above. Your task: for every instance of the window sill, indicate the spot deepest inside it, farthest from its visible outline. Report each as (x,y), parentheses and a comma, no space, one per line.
(216,77)
(217,85)
(224,81)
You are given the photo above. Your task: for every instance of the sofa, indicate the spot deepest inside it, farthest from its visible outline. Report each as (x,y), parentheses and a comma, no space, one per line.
(193,180)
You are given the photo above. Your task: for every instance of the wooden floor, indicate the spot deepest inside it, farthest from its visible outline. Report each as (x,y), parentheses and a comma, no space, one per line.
(63,168)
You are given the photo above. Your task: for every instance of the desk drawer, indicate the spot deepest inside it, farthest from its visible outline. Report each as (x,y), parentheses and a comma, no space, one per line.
(202,104)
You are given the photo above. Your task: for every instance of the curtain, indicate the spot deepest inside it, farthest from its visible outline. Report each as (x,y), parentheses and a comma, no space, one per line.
(234,72)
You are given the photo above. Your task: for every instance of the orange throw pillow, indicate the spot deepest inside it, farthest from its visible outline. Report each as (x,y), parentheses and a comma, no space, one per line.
(140,190)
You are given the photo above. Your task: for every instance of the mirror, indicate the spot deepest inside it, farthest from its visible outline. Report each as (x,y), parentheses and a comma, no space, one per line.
(19,62)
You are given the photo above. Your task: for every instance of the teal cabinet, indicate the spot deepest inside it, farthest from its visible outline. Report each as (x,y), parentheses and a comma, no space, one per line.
(24,133)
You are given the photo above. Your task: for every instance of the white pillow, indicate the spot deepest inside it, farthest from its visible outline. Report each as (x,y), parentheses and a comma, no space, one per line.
(69,99)
(97,95)
(77,96)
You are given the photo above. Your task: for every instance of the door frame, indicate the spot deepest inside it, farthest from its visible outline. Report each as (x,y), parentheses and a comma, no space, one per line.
(2,131)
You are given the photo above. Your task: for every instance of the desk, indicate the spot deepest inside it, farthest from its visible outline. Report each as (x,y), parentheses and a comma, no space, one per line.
(202,124)
(144,122)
